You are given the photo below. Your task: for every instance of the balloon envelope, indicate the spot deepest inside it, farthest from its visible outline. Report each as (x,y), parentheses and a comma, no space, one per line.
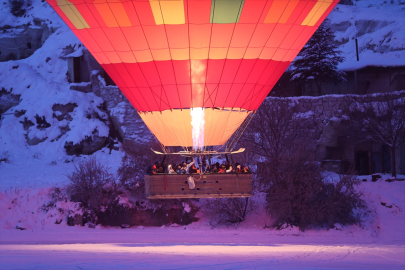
(170,56)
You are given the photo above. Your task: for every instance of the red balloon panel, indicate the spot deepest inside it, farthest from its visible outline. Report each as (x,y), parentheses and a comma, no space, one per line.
(218,80)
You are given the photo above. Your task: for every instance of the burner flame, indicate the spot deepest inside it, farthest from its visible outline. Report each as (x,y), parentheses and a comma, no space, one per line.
(198,123)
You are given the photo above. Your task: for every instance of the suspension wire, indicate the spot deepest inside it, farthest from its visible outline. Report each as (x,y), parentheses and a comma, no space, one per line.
(241,130)
(229,114)
(216,123)
(181,139)
(184,146)
(235,138)
(183,136)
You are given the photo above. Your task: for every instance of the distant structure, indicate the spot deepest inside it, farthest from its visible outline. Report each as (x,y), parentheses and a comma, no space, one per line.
(86,75)
(370,80)
(22,41)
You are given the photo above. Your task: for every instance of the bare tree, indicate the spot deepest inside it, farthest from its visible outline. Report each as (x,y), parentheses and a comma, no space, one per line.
(226,210)
(381,122)
(277,129)
(296,193)
(93,186)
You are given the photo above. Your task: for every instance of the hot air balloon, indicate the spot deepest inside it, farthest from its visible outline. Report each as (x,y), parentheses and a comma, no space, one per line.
(195,70)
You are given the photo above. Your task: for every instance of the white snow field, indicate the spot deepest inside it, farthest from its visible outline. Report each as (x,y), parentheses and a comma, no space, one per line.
(221,255)
(378,244)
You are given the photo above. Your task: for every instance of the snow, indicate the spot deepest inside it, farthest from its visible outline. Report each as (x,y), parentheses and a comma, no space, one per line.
(43,84)
(119,112)
(81,84)
(38,9)
(25,201)
(380,244)
(297,99)
(76,53)
(25,192)
(378,26)
(38,167)
(224,254)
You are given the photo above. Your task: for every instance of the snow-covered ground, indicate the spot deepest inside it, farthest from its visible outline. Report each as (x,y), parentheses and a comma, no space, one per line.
(36,169)
(378,244)
(176,248)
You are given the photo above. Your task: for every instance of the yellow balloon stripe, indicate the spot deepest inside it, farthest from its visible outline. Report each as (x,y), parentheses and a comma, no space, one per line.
(316,12)
(73,14)
(168,11)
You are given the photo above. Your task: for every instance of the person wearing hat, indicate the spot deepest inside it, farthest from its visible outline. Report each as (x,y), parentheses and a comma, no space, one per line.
(222,169)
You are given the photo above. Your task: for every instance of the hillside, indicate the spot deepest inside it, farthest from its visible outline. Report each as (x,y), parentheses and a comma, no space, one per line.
(378,27)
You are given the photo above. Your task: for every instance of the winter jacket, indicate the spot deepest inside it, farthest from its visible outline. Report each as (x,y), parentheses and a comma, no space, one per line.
(188,167)
(230,169)
(170,170)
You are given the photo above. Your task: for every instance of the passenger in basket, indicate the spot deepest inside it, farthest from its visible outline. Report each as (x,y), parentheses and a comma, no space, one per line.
(215,168)
(230,169)
(190,179)
(170,169)
(159,168)
(204,167)
(246,169)
(184,165)
(238,168)
(155,167)
(194,169)
(179,170)
(187,168)
(222,169)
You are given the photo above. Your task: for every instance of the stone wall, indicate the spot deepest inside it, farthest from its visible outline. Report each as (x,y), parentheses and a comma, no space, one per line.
(370,80)
(124,117)
(336,147)
(22,41)
(7,100)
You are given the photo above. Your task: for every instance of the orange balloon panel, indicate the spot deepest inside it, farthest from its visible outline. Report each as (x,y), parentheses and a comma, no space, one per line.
(167,55)
(173,128)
